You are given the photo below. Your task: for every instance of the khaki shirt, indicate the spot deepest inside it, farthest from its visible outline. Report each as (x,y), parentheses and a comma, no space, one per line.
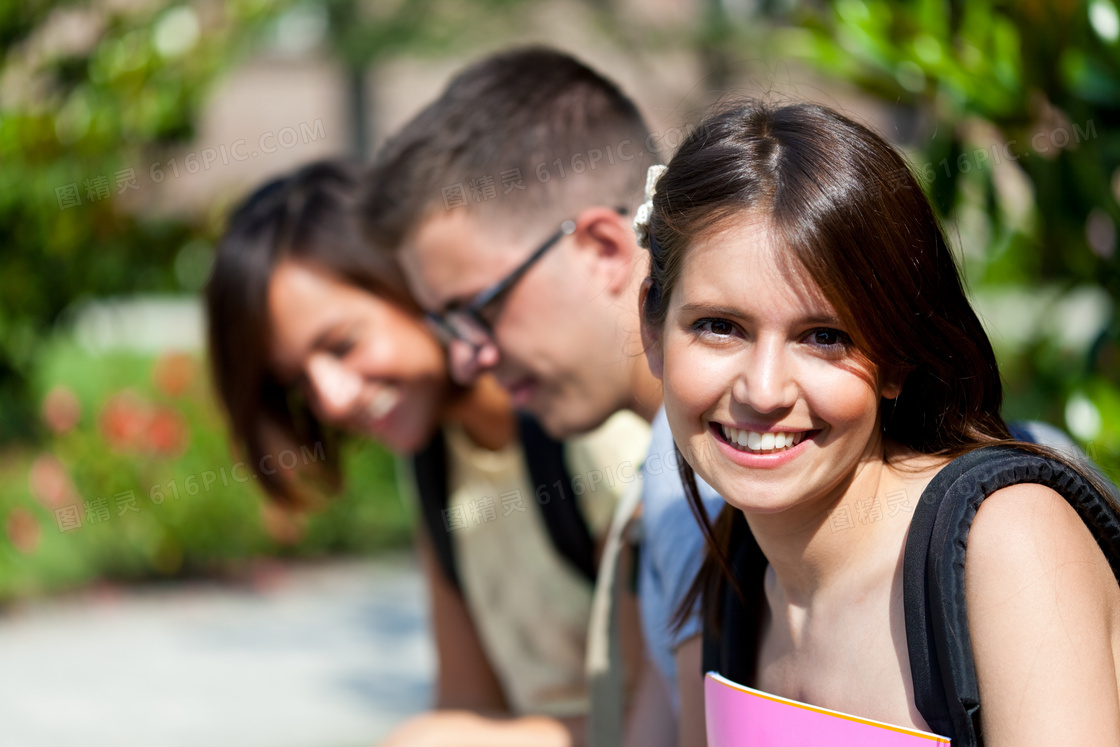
(530,605)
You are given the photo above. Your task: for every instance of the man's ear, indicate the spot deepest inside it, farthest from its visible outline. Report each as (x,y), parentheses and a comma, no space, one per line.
(651,336)
(609,236)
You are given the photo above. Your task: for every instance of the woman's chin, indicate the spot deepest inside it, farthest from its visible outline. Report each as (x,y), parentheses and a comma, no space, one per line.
(408,440)
(754,497)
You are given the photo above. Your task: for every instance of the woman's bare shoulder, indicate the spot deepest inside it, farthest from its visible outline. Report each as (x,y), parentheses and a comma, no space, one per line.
(1044,616)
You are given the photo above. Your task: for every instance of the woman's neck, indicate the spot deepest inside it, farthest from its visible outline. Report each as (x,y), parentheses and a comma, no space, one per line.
(841,541)
(485,413)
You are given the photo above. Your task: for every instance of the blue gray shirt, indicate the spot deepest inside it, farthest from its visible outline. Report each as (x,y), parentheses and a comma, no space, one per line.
(672,551)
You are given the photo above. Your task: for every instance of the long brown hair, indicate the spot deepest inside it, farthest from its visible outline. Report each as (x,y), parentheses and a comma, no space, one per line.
(308,215)
(857,222)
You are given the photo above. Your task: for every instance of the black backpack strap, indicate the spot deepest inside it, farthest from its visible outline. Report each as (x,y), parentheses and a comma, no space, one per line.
(553,493)
(940,648)
(429,468)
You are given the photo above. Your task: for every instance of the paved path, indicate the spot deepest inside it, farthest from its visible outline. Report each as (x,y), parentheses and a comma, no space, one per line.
(322,656)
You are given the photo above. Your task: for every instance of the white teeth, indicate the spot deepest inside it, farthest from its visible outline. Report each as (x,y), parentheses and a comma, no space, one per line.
(385,401)
(762,442)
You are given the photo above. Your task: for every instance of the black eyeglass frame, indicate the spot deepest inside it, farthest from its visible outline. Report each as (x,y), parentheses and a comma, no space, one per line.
(443,324)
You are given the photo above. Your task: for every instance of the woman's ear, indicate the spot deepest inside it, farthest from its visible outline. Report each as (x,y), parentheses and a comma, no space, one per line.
(890,385)
(651,336)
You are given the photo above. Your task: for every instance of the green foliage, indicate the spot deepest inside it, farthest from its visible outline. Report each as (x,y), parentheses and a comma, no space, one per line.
(87,93)
(140,443)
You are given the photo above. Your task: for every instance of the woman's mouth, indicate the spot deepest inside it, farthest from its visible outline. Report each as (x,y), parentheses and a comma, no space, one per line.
(383,402)
(755,442)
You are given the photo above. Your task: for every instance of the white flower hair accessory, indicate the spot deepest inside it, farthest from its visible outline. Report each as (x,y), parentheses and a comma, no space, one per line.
(645,211)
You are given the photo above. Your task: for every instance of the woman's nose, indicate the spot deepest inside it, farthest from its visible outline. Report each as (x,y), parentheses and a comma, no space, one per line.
(334,387)
(765,383)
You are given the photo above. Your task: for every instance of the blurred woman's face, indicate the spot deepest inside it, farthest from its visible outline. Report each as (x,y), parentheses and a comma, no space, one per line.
(365,364)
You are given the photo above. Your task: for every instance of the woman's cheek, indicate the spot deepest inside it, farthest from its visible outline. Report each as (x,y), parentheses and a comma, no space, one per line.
(696,382)
(840,398)
(692,379)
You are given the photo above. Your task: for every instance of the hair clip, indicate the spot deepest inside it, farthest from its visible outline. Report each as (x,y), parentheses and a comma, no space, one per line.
(645,211)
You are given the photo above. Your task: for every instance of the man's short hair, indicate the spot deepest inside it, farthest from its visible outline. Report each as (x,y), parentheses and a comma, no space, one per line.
(531,133)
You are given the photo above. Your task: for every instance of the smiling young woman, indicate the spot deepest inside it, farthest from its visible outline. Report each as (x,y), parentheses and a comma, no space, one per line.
(773,376)
(806,317)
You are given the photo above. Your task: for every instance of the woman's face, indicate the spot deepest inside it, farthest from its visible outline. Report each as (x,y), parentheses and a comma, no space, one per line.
(364,364)
(764,394)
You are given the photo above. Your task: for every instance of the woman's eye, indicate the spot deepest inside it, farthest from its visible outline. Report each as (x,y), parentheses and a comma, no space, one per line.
(829,338)
(342,348)
(717,327)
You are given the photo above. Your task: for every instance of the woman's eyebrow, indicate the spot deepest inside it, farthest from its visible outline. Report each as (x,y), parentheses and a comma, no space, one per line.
(811,317)
(822,318)
(714,309)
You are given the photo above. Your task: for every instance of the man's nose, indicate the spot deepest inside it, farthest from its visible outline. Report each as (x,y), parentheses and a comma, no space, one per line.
(467,361)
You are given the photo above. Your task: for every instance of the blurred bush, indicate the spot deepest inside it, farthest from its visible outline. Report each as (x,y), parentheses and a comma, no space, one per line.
(88,91)
(137,481)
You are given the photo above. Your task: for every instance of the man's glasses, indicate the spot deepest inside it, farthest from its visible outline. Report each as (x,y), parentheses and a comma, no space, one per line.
(469,323)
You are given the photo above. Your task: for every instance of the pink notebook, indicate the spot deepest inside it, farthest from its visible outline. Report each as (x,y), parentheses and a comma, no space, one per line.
(738,716)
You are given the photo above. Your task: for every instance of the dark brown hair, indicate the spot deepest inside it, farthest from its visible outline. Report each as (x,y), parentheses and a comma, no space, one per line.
(496,133)
(853,217)
(307,216)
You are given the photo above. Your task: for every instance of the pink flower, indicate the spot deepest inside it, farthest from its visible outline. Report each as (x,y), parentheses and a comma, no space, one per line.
(133,425)
(173,373)
(123,420)
(23,530)
(61,410)
(50,483)
(166,433)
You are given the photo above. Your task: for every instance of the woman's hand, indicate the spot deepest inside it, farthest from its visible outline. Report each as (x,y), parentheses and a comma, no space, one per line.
(690,682)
